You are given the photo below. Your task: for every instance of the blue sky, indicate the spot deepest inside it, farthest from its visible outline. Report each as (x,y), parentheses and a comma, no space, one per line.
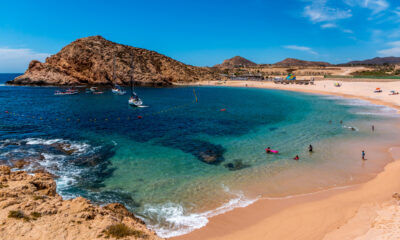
(204,33)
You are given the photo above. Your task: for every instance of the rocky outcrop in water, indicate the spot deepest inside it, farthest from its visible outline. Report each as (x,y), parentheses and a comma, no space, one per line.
(89,61)
(31,209)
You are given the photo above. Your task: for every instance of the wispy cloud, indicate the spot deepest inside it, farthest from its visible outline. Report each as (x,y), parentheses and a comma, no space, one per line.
(301,48)
(318,12)
(393,50)
(17,59)
(329,25)
(376,6)
(347,31)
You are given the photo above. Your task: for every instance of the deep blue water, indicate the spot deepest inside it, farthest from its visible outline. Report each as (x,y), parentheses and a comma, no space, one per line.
(156,164)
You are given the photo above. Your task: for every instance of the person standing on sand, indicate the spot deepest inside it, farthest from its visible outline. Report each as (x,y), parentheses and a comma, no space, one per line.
(373,128)
(363,155)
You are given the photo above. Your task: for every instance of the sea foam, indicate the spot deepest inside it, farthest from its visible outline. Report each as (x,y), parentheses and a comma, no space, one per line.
(173,220)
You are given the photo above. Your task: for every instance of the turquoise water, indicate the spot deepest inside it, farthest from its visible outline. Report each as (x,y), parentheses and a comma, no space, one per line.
(157,165)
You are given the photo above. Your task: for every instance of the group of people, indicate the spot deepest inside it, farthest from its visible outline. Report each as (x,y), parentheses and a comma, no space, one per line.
(310,147)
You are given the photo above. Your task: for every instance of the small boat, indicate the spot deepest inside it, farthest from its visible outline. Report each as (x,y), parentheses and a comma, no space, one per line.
(134,100)
(72,91)
(118,90)
(93,89)
(59,93)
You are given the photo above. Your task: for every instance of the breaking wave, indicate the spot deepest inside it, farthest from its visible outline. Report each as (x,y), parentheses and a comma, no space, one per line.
(173,220)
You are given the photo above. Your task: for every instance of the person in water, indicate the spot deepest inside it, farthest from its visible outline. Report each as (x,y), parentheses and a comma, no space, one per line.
(363,155)
(268,150)
(310,148)
(296,158)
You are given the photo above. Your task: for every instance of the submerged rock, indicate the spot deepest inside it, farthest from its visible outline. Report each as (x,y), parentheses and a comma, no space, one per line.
(20,163)
(65,148)
(236,165)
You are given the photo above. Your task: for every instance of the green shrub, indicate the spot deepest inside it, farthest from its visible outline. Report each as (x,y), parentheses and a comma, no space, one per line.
(120,230)
(18,215)
(35,215)
(38,197)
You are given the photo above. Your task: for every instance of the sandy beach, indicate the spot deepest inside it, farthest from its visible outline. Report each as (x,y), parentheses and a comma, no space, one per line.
(363,211)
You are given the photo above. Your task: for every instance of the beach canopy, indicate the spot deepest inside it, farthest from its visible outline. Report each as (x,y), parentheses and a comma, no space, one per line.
(378,88)
(291,77)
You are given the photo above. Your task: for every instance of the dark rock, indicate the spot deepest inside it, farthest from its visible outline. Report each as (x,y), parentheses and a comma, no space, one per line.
(236,165)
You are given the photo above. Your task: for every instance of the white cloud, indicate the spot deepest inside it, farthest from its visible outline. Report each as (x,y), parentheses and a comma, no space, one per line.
(301,48)
(375,6)
(329,25)
(17,59)
(394,50)
(347,31)
(318,11)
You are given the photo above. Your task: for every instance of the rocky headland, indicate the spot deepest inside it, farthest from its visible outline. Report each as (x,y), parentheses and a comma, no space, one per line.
(30,208)
(90,61)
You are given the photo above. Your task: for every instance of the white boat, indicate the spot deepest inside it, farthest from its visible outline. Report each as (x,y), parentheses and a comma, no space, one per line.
(134,100)
(59,93)
(72,91)
(118,90)
(93,89)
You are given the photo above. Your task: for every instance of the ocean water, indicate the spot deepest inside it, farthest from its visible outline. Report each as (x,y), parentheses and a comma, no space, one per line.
(156,164)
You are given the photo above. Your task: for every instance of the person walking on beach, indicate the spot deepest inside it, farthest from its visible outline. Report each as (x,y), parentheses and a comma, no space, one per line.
(310,148)
(373,128)
(296,158)
(363,155)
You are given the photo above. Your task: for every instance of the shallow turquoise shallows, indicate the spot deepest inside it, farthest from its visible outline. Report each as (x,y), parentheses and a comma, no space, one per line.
(175,162)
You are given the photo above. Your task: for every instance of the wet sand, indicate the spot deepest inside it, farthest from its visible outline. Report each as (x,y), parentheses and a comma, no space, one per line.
(362,211)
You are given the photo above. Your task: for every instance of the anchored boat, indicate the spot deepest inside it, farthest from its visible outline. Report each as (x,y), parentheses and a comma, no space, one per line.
(134,100)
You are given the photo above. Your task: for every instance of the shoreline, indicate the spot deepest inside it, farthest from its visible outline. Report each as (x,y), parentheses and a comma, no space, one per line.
(337,213)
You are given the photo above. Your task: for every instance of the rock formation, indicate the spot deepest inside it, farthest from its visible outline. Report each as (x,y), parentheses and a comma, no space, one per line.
(288,62)
(89,61)
(237,61)
(376,61)
(31,209)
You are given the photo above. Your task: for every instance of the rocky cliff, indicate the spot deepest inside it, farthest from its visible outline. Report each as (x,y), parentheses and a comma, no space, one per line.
(89,61)
(31,209)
